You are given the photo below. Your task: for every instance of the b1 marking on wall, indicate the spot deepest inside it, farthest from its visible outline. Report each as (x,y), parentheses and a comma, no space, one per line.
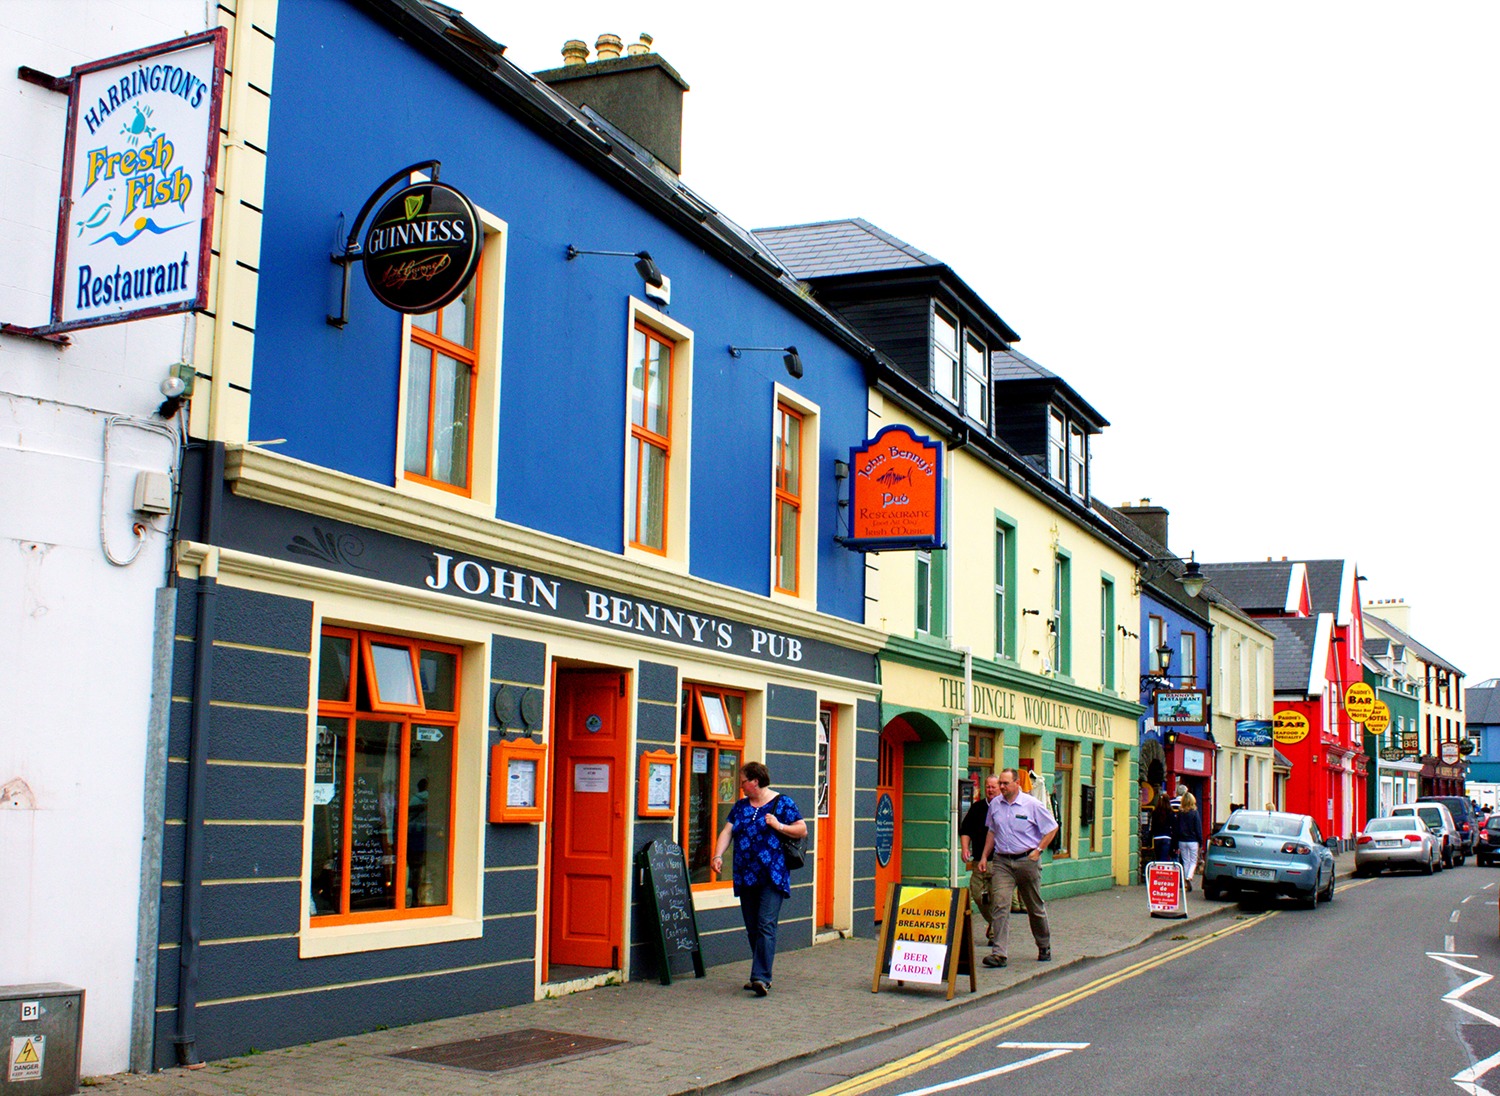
(31,1010)
(27,1053)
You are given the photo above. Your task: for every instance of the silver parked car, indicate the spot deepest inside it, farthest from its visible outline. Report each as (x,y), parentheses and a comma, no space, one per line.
(1403,841)
(1437,819)
(1270,852)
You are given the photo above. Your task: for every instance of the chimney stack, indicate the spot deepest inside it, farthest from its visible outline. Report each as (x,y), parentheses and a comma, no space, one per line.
(1153,519)
(639,93)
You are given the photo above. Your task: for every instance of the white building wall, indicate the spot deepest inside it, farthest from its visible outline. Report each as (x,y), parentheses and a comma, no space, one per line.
(75,631)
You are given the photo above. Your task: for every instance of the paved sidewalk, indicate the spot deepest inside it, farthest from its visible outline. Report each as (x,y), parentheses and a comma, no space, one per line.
(694,1035)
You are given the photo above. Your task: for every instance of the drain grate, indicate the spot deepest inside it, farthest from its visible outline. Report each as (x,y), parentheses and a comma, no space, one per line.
(510,1050)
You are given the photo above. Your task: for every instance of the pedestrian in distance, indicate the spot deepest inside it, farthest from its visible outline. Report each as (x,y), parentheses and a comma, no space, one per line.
(762,880)
(971,833)
(1189,836)
(1018,827)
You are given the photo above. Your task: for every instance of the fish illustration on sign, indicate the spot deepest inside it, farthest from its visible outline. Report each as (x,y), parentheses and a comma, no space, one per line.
(98,217)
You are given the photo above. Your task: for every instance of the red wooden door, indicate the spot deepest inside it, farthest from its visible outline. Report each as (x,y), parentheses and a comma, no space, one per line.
(586,881)
(825,793)
(888,814)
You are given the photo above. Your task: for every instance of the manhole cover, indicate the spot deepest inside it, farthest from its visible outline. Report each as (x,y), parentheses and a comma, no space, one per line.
(510,1050)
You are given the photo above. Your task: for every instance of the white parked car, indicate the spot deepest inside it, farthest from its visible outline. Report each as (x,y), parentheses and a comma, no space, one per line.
(1440,821)
(1402,841)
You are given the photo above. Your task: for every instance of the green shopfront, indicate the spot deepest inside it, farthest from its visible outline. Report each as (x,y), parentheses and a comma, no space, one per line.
(949,721)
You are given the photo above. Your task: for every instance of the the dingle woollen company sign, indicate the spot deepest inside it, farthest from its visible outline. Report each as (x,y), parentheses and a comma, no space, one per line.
(896,492)
(422,248)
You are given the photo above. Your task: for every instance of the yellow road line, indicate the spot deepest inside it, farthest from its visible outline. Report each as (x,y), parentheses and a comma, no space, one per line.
(941,1052)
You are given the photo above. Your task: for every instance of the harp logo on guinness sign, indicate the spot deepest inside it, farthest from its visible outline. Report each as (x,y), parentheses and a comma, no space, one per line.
(422,248)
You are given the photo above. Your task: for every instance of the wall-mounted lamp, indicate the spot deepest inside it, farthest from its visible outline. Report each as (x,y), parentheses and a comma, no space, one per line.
(645,266)
(788,355)
(1192,578)
(840,469)
(1159,678)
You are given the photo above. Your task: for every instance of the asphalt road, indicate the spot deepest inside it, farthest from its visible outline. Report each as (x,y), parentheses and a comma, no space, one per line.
(1363,995)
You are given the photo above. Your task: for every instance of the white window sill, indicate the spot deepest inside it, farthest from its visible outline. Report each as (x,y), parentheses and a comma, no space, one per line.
(314,943)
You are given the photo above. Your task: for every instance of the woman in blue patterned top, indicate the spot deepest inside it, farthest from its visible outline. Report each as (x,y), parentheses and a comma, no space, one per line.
(762,880)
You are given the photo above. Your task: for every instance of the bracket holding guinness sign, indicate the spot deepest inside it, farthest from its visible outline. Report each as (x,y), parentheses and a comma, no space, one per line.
(140,163)
(896,492)
(422,247)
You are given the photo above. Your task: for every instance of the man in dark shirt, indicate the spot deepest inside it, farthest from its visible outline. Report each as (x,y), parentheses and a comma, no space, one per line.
(971,833)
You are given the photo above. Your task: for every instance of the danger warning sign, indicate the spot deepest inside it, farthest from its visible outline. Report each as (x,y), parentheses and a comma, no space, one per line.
(27,1053)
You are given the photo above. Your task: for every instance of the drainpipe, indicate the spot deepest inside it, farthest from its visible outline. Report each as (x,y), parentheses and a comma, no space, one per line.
(186,1038)
(956,763)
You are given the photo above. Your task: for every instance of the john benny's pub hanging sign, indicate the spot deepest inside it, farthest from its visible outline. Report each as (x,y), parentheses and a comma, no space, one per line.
(139,166)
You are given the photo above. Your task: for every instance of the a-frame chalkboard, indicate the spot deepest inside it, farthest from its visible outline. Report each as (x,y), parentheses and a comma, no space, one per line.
(670,900)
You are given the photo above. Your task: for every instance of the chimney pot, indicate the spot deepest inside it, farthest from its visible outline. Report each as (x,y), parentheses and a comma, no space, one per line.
(607,47)
(575,52)
(635,49)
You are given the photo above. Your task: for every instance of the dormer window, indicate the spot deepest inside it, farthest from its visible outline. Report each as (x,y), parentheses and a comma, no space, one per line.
(1067,454)
(1057,451)
(976,380)
(945,355)
(1077,446)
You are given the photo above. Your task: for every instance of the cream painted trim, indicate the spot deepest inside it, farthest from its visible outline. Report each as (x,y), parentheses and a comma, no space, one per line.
(270,477)
(808,533)
(484,430)
(679,468)
(224,342)
(719,898)
(1296,583)
(1322,640)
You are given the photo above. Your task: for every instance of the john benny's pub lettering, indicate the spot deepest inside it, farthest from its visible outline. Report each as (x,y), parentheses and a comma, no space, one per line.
(549,595)
(1006,705)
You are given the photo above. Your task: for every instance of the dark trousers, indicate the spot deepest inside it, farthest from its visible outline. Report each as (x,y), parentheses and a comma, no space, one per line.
(761,907)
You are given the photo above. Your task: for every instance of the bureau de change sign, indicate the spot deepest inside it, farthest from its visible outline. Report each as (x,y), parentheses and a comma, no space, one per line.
(139,167)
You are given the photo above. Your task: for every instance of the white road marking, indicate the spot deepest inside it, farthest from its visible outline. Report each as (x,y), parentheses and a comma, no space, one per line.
(1468,1079)
(1049,1050)
(1466,899)
(1487,886)
(1448,945)
(1454,918)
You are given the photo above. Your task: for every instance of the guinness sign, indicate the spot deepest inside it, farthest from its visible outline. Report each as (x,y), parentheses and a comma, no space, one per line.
(422,248)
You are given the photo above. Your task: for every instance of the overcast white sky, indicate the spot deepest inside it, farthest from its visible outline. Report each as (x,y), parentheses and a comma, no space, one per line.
(1260,238)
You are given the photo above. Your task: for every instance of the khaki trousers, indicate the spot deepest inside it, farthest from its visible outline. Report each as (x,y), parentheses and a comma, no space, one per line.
(1006,878)
(980,886)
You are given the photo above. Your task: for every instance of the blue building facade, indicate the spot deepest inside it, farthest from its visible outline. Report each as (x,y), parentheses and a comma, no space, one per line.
(474,605)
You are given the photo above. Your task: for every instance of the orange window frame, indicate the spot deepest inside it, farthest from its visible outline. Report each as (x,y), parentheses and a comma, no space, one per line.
(347,708)
(437,344)
(784,417)
(713,745)
(641,437)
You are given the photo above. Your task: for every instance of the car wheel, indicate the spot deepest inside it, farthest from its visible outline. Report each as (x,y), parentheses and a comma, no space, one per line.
(1361,873)
(1332,878)
(1211,891)
(1427,868)
(1309,901)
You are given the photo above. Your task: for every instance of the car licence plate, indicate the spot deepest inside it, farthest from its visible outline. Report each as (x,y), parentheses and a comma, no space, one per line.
(1387,844)
(1267,874)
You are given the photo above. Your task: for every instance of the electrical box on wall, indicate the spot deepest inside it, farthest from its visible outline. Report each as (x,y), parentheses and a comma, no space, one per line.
(41,1030)
(153,493)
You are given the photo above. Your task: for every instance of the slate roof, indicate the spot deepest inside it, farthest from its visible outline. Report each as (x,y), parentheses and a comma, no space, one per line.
(1256,587)
(1412,646)
(1482,704)
(851,246)
(1377,647)
(1167,584)
(1294,651)
(1012,365)
(1325,583)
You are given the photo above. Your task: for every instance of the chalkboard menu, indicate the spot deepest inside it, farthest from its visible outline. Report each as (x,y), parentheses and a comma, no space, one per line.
(670,900)
(370,857)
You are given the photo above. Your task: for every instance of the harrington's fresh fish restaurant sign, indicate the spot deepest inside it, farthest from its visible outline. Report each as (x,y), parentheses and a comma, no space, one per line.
(136,215)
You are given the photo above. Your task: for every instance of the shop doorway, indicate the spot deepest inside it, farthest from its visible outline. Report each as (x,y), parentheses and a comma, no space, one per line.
(826,812)
(890,776)
(590,779)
